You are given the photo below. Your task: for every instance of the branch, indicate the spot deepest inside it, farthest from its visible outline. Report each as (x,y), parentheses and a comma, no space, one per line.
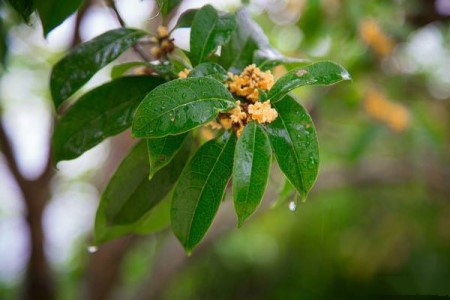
(112,5)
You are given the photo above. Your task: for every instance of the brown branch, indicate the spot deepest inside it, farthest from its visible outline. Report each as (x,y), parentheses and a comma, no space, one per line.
(112,5)
(39,284)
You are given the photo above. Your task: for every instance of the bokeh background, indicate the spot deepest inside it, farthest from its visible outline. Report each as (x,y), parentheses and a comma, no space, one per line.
(376,223)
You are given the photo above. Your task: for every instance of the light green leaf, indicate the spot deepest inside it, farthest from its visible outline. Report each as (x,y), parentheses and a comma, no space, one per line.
(286,192)
(321,73)
(252,157)
(130,195)
(210,29)
(211,70)
(179,106)
(103,112)
(54,12)
(200,190)
(162,150)
(83,61)
(121,69)
(294,143)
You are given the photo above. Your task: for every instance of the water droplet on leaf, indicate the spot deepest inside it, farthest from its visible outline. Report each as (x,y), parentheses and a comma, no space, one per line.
(92,249)
(292,206)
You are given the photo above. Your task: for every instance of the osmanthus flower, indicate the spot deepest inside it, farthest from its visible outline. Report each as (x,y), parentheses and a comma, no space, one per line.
(162,43)
(249,81)
(184,74)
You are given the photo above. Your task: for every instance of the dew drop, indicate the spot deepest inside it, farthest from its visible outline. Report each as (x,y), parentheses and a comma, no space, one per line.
(292,206)
(92,249)
(345,75)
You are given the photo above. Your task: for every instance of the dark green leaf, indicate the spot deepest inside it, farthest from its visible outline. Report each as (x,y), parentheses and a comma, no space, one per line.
(166,6)
(130,195)
(154,220)
(321,73)
(3,45)
(294,143)
(186,18)
(162,150)
(200,190)
(246,39)
(253,157)
(211,70)
(179,106)
(105,111)
(23,7)
(83,61)
(54,12)
(210,29)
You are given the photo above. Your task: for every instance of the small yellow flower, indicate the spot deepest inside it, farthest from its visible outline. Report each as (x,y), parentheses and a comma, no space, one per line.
(249,81)
(375,38)
(184,73)
(236,114)
(262,112)
(394,115)
(163,32)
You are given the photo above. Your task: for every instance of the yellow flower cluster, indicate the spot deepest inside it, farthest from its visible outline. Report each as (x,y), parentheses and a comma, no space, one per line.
(247,84)
(394,115)
(184,73)
(238,117)
(375,38)
(162,43)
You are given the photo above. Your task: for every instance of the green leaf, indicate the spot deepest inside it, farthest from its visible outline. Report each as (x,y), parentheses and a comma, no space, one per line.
(156,219)
(266,60)
(200,190)
(166,6)
(54,12)
(253,157)
(83,61)
(162,150)
(294,143)
(103,112)
(321,73)
(211,70)
(130,195)
(179,106)
(245,40)
(24,7)
(186,18)
(286,192)
(119,70)
(210,29)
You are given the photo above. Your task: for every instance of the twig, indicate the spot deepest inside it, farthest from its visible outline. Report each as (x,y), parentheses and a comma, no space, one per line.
(112,5)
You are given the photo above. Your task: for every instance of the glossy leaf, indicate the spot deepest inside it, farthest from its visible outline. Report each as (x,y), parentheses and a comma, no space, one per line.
(83,61)
(246,39)
(186,18)
(166,6)
(211,70)
(210,29)
(294,143)
(266,60)
(321,73)
(103,112)
(24,7)
(253,157)
(130,195)
(179,106)
(156,219)
(54,12)
(162,150)
(200,190)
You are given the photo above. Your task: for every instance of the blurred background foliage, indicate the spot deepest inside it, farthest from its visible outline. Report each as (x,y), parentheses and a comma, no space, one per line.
(377,221)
